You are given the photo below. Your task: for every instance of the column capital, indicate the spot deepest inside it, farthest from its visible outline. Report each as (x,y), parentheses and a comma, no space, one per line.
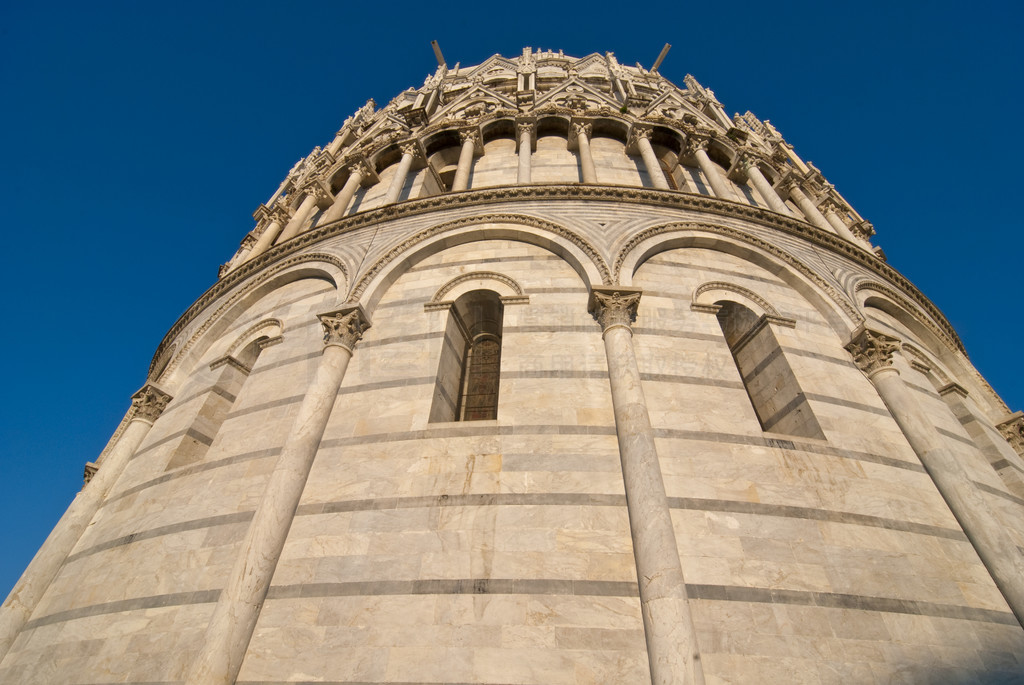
(614,305)
(525,126)
(470,134)
(872,350)
(280,212)
(695,142)
(829,205)
(1012,428)
(344,327)
(581,127)
(788,183)
(863,229)
(149,402)
(411,147)
(638,132)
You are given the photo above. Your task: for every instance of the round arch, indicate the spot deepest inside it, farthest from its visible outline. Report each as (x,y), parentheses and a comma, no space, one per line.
(837,310)
(585,260)
(315,266)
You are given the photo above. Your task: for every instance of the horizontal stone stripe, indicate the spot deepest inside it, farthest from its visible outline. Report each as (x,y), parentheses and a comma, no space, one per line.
(458,586)
(381,385)
(552,329)
(760,441)
(784,411)
(850,404)
(1004,464)
(134,604)
(541,291)
(262,367)
(690,380)
(364,344)
(183,526)
(335,682)
(763,364)
(668,333)
(486,260)
(215,389)
(820,357)
(787,511)
(661,261)
(469,432)
(197,468)
(998,493)
(835,600)
(959,438)
(263,406)
(555,373)
(473,500)
(185,432)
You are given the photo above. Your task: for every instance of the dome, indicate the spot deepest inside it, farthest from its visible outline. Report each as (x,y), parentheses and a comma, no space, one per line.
(547,371)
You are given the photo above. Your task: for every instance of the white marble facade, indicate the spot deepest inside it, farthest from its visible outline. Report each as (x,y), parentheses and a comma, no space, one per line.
(730,444)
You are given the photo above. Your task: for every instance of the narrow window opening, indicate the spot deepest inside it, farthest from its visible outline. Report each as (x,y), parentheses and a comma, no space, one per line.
(775,394)
(468,373)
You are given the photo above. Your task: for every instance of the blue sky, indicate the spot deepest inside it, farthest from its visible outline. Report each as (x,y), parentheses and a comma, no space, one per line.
(136,139)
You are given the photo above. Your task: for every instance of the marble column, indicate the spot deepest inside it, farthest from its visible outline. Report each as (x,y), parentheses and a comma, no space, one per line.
(872,352)
(469,140)
(713,172)
(147,405)
(764,188)
(642,140)
(356,173)
(811,212)
(315,194)
(234,618)
(276,218)
(668,626)
(409,152)
(525,150)
(582,131)
(831,211)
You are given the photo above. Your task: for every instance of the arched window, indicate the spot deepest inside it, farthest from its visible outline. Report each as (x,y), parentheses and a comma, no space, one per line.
(774,392)
(468,372)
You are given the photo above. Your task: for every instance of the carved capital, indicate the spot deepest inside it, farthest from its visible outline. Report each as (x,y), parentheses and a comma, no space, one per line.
(524,127)
(1013,430)
(344,327)
(149,402)
(469,134)
(280,213)
(89,471)
(636,133)
(694,143)
(359,168)
(581,129)
(614,306)
(863,230)
(871,350)
(410,147)
(830,206)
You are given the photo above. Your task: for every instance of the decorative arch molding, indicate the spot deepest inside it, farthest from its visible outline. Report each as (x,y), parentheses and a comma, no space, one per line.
(268,328)
(925,362)
(844,316)
(315,265)
(752,297)
(578,252)
(910,314)
(506,287)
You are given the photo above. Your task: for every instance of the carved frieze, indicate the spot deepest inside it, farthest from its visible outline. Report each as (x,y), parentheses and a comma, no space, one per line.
(871,350)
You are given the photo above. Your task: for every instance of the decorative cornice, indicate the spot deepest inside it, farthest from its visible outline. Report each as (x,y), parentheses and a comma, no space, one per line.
(765,306)
(149,402)
(344,327)
(614,306)
(871,350)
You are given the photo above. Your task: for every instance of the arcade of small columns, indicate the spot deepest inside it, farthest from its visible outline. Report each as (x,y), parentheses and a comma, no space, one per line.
(281,219)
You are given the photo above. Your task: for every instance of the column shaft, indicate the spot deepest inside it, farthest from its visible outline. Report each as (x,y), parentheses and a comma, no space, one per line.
(461,180)
(766,191)
(525,147)
(298,219)
(672,649)
(810,211)
(29,589)
(341,200)
(839,225)
(265,240)
(713,173)
(651,162)
(398,182)
(586,159)
(1004,561)
(234,618)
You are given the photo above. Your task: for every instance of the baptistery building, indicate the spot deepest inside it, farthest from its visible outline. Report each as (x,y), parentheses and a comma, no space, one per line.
(546,372)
